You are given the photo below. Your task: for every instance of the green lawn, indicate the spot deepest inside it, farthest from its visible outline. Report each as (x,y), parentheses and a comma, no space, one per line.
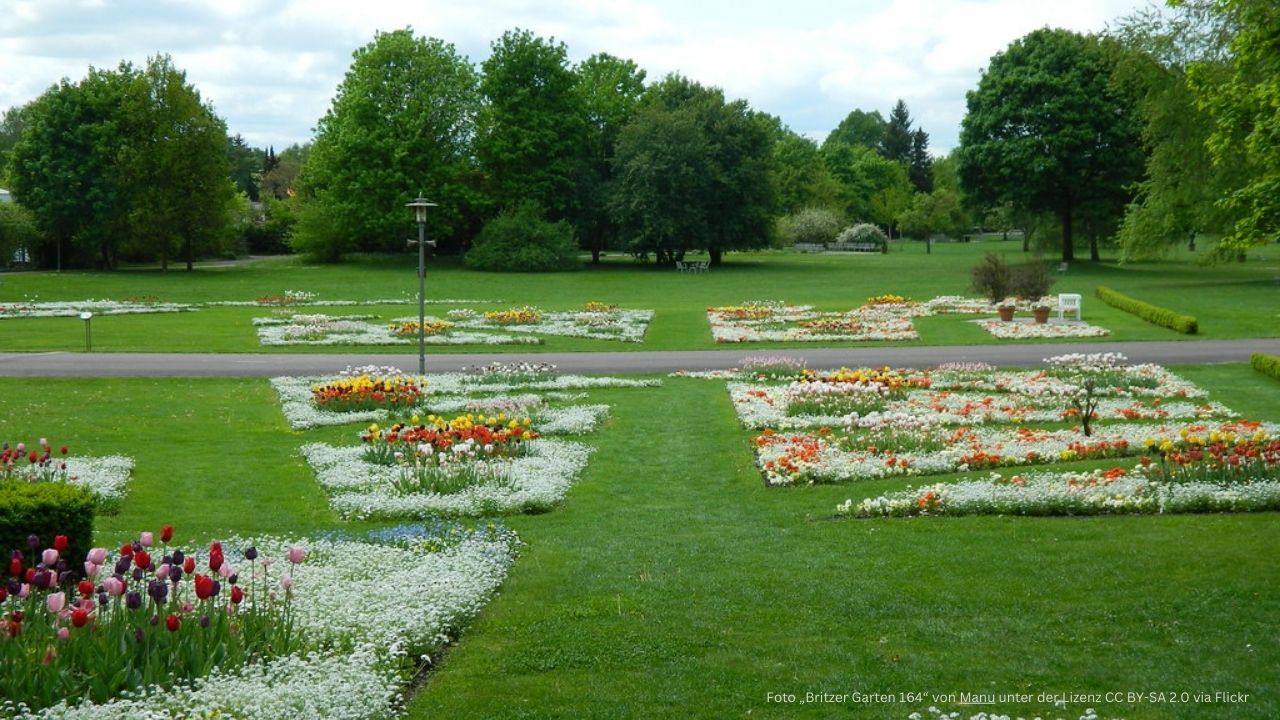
(1231,301)
(672,583)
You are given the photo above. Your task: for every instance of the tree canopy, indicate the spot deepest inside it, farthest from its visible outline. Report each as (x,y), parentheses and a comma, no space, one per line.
(1047,131)
(401,123)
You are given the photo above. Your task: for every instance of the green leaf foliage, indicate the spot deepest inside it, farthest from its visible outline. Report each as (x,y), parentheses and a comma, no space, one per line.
(1046,130)
(811,225)
(1153,314)
(522,240)
(400,125)
(1266,364)
(46,509)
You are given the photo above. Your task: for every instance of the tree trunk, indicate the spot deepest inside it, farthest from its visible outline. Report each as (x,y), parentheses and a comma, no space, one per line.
(190,254)
(595,256)
(1093,248)
(716,254)
(1068,240)
(164,261)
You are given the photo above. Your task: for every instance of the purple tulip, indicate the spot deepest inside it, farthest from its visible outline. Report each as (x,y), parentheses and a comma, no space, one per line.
(33,541)
(204,621)
(158,591)
(123,564)
(139,635)
(251,553)
(178,557)
(133,600)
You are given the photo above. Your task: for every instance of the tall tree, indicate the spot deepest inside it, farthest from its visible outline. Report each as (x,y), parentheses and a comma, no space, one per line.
(279,180)
(400,124)
(10,131)
(246,166)
(175,166)
(1245,107)
(63,169)
(873,188)
(859,127)
(533,134)
(921,171)
(1046,130)
(1178,196)
(801,178)
(718,190)
(897,141)
(611,89)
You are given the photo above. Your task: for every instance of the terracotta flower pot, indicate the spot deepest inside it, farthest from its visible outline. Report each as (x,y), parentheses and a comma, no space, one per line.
(1006,312)
(1041,315)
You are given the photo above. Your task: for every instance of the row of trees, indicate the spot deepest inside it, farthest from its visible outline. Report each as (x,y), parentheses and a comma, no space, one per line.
(1159,130)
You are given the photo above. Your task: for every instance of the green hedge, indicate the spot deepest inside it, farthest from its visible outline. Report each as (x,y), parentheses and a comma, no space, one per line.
(1163,317)
(45,510)
(1266,364)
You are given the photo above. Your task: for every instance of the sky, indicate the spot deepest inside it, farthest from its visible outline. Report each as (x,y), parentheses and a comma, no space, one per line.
(270,67)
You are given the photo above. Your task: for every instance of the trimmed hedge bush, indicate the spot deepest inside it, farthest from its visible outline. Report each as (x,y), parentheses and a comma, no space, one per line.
(1266,364)
(1163,317)
(46,509)
(521,240)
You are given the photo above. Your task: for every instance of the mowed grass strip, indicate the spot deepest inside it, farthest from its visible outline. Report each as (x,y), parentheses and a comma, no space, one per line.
(1230,300)
(672,583)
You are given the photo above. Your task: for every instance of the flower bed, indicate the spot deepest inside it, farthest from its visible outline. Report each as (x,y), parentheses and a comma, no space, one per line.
(1018,329)
(320,329)
(598,322)
(534,481)
(73,308)
(349,664)
(882,317)
(105,477)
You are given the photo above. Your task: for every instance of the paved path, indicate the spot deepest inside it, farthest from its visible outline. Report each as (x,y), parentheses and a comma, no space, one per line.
(62,364)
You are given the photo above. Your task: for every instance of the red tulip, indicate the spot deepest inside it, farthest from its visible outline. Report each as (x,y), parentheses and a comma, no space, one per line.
(15,567)
(60,543)
(142,559)
(215,558)
(237,595)
(173,622)
(204,587)
(166,533)
(85,587)
(189,565)
(79,617)
(4,593)
(126,549)
(32,456)
(64,449)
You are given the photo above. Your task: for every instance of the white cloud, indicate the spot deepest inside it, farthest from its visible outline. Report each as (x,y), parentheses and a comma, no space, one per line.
(271,66)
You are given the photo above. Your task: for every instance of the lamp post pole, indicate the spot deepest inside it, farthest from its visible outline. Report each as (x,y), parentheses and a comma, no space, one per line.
(420,206)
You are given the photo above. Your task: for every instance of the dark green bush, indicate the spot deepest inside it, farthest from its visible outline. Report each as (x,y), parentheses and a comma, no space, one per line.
(46,509)
(521,240)
(992,278)
(1030,281)
(1266,364)
(1163,317)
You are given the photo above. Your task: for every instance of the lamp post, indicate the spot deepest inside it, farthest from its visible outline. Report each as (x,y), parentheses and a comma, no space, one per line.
(420,205)
(86,316)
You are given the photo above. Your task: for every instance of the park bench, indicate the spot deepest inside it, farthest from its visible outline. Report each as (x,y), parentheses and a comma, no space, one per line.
(863,247)
(693,265)
(809,247)
(1062,267)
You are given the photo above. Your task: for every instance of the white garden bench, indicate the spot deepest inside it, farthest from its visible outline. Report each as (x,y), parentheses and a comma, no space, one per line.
(693,265)
(1067,303)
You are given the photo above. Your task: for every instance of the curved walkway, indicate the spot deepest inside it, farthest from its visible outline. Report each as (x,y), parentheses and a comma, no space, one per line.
(64,364)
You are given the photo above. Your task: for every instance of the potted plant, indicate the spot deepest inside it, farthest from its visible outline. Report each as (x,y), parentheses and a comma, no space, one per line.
(1031,281)
(991,278)
(1006,310)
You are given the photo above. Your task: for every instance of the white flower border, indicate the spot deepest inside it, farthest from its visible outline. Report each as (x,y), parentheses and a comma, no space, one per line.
(362,490)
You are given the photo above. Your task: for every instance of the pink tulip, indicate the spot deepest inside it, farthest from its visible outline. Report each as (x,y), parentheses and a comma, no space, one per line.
(114,586)
(225,570)
(64,633)
(24,591)
(187,607)
(91,570)
(162,572)
(49,557)
(56,601)
(286,582)
(296,554)
(145,539)
(97,556)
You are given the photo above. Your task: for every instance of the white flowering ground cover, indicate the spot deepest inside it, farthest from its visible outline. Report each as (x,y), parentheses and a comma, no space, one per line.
(762,406)
(106,477)
(1096,492)
(73,308)
(833,458)
(535,481)
(364,654)
(885,318)
(440,393)
(621,325)
(1018,329)
(321,329)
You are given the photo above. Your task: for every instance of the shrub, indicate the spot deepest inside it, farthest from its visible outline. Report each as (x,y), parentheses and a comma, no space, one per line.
(865,233)
(811,225)
(992,278)
(1266,364)
(46,510)
(521,240)
(1163,317)
(1030,281)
